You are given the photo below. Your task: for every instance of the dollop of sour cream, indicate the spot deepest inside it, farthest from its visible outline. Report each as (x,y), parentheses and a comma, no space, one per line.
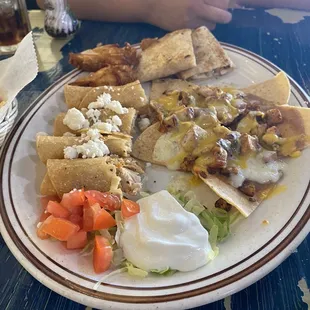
(164,235)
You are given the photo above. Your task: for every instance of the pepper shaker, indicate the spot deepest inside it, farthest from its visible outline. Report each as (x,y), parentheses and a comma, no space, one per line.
(59,20)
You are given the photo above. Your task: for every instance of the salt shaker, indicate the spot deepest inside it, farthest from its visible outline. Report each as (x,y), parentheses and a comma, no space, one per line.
(59,20)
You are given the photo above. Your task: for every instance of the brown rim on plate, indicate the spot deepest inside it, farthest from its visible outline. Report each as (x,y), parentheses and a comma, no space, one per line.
(152,299)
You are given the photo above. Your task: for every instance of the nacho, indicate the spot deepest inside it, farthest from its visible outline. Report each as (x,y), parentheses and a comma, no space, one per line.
(224,135)
(167,56)
(276,90)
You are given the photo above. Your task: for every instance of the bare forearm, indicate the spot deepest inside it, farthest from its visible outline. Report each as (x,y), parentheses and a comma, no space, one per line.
(292,4)
(108,10)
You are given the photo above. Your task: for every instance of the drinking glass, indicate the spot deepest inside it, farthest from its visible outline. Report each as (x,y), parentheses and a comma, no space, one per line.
(14,24)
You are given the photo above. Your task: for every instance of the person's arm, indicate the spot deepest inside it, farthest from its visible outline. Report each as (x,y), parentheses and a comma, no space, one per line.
(167,14)
(110,11)
(290,4)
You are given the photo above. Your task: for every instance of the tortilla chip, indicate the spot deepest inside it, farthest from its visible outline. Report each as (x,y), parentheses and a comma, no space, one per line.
(296,121)
(144,146)
(128,121)
(276,90)
(50,147)
(210,57)
(90,174)
(166,56)
(230,194)
(159,87)
(131,95)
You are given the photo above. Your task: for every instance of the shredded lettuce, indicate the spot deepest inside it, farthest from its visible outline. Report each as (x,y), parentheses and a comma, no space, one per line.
(165,272)
(88,249)
(216,221)
(134,271)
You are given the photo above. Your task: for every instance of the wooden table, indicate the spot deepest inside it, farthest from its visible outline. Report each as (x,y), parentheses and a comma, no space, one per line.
(286,45)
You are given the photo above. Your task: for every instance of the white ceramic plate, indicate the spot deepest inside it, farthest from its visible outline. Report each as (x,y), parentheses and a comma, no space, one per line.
(250,253)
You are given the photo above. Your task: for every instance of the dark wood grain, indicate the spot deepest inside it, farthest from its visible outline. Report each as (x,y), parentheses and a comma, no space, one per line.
(288,46)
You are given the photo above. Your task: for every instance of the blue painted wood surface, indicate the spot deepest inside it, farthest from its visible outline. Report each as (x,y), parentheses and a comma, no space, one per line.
(288,46)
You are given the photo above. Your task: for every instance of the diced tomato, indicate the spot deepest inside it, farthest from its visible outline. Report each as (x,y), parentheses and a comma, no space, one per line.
(58,228)
(77,241)
(103,220)
(106,200)
(44,200)
(57,210)
(41,234)
(88,216)
(129,208)
(76,219)
(74,201)
(102,255)
(95,218)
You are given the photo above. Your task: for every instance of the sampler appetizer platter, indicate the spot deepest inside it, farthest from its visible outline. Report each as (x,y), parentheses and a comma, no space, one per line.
(167,174)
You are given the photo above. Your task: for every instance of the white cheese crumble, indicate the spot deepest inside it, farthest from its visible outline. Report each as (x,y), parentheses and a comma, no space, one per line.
(92,149)
(93,114)
(116,121)
(75,119)
(116,107)
(101,101)
(93,134)
(144,123)
(70,152)
(142,99)
(103,126)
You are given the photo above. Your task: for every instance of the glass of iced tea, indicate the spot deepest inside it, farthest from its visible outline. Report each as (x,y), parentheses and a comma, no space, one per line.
(14,24)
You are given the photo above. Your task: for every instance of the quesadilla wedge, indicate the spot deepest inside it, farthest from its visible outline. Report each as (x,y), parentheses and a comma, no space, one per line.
(51,147)
(107,174)
(131,95)
(127,127)
(166,56)
(233,141)
(210,57)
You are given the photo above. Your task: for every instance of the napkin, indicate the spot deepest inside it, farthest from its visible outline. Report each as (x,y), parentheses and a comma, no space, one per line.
(16,72)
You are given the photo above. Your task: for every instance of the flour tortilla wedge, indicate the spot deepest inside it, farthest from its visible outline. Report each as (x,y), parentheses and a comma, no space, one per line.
(51,147)
(128,121)
(131,95)
(276,90)
(166,56)
(159,87)
(66,175)
(211,58)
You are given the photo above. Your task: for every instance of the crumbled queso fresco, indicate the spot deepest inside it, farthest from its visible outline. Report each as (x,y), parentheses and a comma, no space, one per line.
(94,147)
(76,120)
